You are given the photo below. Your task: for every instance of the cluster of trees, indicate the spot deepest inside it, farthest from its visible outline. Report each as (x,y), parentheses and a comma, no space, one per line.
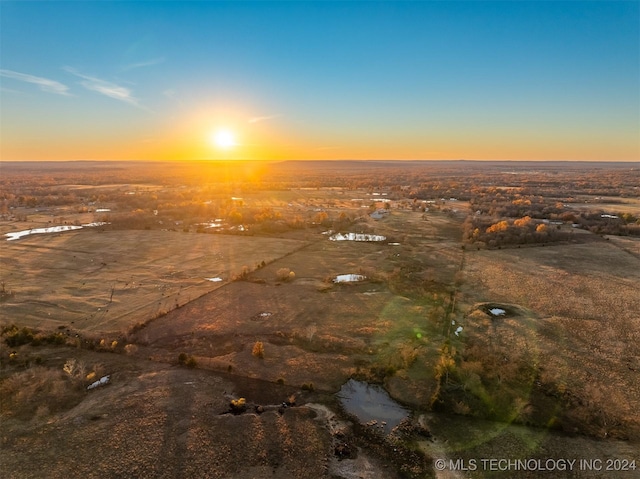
(512,204)
(599,222)
(482,231)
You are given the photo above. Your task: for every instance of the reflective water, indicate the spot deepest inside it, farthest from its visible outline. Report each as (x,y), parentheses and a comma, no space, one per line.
(16,235)
(348,278)
(369,402)
(356,237)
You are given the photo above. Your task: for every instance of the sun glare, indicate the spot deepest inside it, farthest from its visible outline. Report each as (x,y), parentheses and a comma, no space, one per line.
(223,139)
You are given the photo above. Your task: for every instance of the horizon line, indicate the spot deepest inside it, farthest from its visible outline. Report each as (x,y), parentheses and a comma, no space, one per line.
(246,160)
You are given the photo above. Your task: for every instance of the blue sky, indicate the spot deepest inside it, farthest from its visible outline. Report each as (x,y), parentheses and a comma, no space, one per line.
(408,80)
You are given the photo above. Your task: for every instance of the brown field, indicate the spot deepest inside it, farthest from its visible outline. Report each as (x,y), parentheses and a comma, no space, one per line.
(557,374)
(107,281)
(613,204)
(580,327)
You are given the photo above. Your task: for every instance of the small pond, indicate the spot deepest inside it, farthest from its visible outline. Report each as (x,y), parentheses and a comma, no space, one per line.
(356,237)
(16,235)
(369,402)
(499,311)
(348,278)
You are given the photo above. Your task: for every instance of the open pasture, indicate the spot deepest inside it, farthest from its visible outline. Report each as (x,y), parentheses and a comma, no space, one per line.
(315,330)
(577,333)
(419,322)
(610,204)
(106,281)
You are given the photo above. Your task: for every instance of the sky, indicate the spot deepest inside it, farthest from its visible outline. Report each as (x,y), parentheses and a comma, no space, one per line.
(420,80)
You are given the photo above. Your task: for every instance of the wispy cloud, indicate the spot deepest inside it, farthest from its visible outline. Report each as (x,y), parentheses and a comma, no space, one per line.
(45,84)
(105,88)
(148,63)
(256,119)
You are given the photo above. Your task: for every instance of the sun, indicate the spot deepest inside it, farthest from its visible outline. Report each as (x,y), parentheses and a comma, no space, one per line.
(223,139)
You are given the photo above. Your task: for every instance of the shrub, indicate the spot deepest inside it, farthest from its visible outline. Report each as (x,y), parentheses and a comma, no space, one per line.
(258,350)
(285,274)
(131,349)
(238,406)
(25,393)
(186,360)
(56,338)
(14,337)
(243,275)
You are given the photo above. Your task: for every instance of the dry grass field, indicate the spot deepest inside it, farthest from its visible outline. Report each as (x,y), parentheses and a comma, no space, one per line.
(557,373)
(159,421)
(310,322)
(107,281)
(576,322)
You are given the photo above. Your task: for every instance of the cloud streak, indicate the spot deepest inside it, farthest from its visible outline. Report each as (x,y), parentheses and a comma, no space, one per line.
(105,88)
(148,63)
(45,84)
(256,119)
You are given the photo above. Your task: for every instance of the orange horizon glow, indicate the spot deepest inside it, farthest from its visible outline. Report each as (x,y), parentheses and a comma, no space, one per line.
(519,81)
(231,135)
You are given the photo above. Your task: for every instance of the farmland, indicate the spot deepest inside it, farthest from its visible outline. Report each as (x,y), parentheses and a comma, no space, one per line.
(173,291)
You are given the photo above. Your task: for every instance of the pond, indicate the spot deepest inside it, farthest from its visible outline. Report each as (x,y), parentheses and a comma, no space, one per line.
(356,237)
(369,403)
(348,278)
(16,235)
(499,311)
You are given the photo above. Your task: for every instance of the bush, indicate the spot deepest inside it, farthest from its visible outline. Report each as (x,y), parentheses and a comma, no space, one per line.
(243,275)
(186,360)
(238,406)
(285,274)
(258,350)
(25,393)
(131,349)
(14,337)
(56,338)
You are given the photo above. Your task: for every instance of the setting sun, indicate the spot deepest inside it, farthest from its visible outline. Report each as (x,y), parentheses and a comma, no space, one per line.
(223,139)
